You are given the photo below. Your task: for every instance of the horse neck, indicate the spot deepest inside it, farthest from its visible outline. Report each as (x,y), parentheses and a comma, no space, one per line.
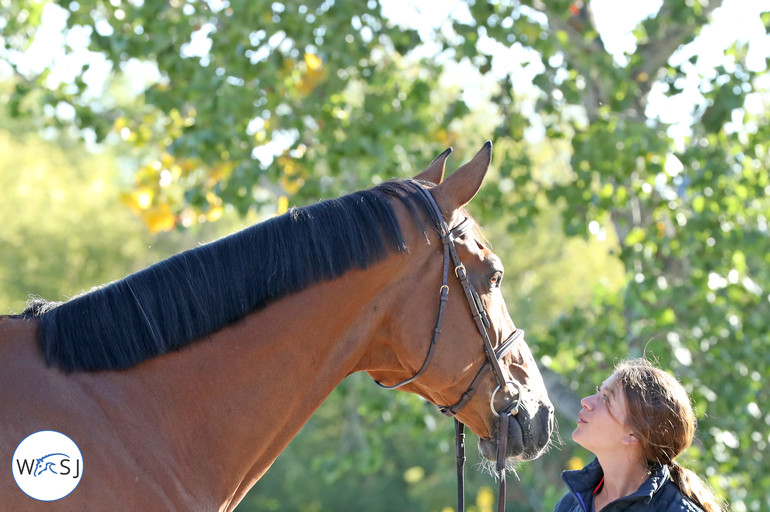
(238,397)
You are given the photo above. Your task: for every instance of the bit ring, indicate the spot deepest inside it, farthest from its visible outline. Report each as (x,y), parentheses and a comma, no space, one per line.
(513,410)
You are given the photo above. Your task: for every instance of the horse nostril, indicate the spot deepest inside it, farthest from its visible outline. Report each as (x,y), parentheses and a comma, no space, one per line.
(546,418)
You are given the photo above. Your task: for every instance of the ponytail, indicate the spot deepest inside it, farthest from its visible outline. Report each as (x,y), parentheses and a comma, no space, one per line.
(696,489)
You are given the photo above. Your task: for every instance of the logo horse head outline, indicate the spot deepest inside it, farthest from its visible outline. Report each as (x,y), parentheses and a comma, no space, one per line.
(42,465)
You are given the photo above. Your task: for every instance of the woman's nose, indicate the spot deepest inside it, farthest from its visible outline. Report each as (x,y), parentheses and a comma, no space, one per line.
(586,402)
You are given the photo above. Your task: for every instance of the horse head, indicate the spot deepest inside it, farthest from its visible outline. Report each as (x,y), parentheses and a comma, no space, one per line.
(465,375)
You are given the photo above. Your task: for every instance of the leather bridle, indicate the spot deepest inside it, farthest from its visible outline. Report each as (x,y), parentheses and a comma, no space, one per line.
(493,355)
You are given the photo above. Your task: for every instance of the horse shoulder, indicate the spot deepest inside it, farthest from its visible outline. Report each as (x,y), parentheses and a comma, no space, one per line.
(117,450)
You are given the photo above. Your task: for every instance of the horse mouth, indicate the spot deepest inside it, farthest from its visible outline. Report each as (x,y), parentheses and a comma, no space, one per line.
(528,437)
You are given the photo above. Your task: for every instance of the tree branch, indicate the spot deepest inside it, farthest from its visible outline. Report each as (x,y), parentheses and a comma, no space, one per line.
(656,53)
(576,26)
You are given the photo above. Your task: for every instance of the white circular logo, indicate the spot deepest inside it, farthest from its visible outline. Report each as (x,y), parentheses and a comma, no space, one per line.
(47,465)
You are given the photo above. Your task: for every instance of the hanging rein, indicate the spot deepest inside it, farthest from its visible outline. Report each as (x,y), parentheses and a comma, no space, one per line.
(492,362)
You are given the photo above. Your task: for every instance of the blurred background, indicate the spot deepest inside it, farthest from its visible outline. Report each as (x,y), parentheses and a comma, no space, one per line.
(628,194)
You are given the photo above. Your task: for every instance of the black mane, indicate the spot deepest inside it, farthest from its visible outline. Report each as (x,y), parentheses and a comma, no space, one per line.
(194,293)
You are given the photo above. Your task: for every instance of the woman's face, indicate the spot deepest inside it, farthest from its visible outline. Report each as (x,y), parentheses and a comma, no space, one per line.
(601,424)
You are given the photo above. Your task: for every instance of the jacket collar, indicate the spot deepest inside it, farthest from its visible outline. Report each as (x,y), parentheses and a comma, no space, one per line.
(583,482)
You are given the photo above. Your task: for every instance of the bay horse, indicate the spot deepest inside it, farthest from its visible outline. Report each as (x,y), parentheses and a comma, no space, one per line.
(182,383)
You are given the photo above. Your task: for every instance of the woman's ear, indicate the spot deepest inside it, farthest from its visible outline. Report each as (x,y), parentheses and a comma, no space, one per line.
(630,439)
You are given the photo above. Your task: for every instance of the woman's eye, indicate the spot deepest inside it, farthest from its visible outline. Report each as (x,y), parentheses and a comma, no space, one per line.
(601,395)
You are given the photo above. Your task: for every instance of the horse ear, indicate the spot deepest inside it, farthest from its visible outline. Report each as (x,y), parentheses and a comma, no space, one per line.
(434,173)
(463,184)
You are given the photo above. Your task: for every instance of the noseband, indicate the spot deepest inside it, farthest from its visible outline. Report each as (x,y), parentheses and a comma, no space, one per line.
(492,362)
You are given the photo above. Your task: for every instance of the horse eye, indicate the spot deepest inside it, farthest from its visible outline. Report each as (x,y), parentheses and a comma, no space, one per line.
(496,280)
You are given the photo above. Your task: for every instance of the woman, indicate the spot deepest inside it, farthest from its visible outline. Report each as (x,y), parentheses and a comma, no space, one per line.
(639,420)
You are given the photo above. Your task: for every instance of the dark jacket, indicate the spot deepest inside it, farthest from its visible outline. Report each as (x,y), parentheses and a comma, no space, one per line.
(658,493)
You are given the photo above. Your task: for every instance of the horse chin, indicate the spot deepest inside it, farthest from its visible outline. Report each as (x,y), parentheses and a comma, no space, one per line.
(527,438)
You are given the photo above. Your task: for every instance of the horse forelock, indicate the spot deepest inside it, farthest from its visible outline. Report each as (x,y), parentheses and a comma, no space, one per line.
(189,295)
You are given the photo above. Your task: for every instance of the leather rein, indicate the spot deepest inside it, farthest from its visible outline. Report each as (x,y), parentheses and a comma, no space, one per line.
(492,362)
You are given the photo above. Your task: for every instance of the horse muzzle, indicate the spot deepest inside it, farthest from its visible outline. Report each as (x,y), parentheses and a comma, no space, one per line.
(529,433)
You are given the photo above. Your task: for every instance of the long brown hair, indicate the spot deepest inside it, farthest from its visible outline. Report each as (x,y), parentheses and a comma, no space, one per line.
(661,417)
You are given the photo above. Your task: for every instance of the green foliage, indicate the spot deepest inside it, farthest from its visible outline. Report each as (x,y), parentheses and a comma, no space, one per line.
(50,211)
(619,237)
(324,83)
(63,228)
